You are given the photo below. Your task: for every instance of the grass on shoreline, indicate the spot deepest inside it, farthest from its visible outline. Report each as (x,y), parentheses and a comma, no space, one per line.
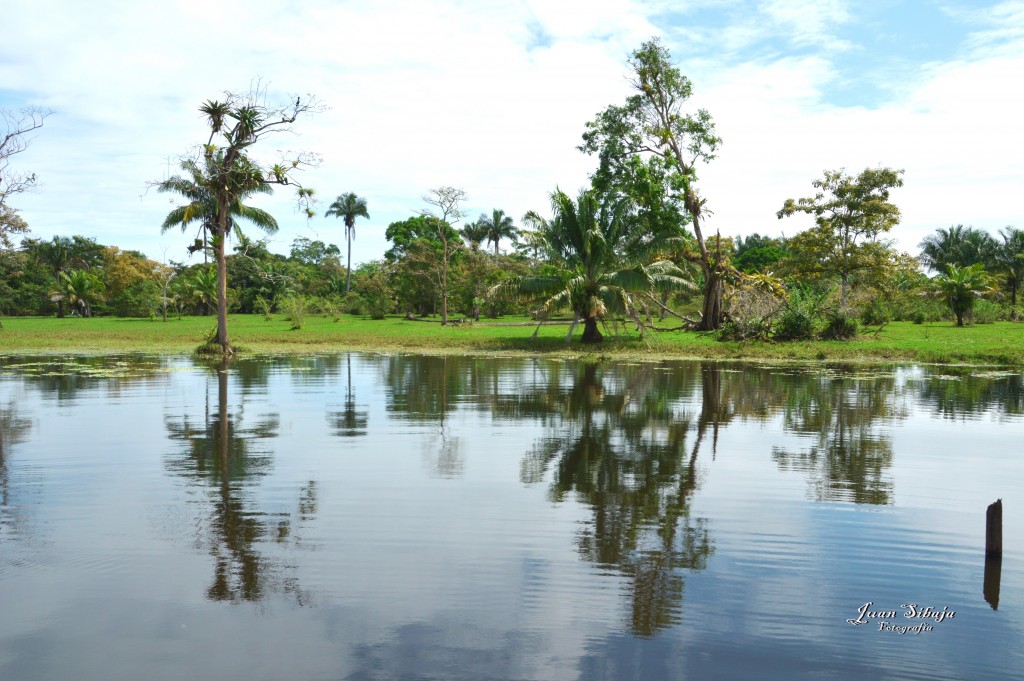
(1001,343)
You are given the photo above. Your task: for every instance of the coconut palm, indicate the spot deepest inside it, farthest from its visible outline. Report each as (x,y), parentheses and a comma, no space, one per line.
(82,289)
(475,234)
(961,286)
(348,207)
(499,226)
(202,206)
(587,239)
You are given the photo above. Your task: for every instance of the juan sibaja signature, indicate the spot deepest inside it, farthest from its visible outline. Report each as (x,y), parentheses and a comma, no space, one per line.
(888,619)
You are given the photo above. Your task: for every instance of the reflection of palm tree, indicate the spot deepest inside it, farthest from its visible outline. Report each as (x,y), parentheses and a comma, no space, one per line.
(221,454)
(349,421)
(13,429)
(620,447)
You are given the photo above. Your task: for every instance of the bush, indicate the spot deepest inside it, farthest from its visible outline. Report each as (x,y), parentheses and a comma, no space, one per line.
(751,313)
(796,322)
(294,308)
(262,306)
(875,313)
(839,325)
(987,312)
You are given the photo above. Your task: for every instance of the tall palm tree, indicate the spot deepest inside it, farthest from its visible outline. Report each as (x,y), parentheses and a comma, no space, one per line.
(348,207)
(958,245)
(961,287)
(499,226)
(475,234)
(588,239)
(201,208)
(1010,259)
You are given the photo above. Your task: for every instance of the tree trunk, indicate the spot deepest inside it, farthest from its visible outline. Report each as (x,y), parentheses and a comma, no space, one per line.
(348,268)
(711,311)
(444,280)
(219,249)
(591,334)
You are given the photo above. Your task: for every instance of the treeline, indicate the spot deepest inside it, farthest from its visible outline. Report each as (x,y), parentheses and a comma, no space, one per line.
(778,287)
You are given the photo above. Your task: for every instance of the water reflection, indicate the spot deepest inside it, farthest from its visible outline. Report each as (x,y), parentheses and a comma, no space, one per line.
(14,429)
(851,457)
(350,421)
(620,446)
(965,393)
(220,454)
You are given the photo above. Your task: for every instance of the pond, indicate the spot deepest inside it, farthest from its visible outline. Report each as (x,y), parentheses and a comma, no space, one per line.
(368,516)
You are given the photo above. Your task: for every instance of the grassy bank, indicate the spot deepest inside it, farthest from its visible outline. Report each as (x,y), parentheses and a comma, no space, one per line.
(1001,343)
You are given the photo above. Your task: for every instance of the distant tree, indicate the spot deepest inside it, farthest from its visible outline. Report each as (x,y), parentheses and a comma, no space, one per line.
(348,207)
(961,286)
(229,174)
(475,233)
(203,288)
(313,252)
(648,151)
(445,203)
(960,246)
(757,253)
(850,214)
(1010,259)
(499,226)
(417,252)
(82,289)
(130,282)
(596,273)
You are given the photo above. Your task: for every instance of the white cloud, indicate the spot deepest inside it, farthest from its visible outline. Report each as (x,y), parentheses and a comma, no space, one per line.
(491,99)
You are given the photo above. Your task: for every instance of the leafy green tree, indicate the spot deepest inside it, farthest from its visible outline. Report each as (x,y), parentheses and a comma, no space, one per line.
(226,172)
(1010,259)
(961,286)
(850,214)
(757,253)
(499,226)
(348,207)
(960,246)
(313,252)
(130,282)
(587,241)
(648,151)
(417,252)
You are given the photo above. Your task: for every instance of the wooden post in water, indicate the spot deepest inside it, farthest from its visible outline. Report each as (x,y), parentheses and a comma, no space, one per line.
(994,528)
(993,552)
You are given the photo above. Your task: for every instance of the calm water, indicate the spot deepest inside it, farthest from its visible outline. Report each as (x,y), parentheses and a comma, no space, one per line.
(402,517)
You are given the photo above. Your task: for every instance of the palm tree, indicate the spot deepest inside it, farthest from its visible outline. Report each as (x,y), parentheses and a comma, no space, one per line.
(202,206)
(961,287)
(203,285)
(475,234)
(1010,259)
(56,255)
(82,289)
(587,239)
(499,226)
(960,246)
(348,207)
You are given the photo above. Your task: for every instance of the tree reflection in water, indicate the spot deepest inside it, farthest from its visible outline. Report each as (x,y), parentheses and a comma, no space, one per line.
(852,454)
(221,455)
(619,443)
(13,430)
(350,421)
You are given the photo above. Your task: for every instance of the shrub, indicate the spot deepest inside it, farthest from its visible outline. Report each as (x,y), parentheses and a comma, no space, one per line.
(987,312)
(295,307)
(796,322)
(839,325)
(875,313)
(262,306)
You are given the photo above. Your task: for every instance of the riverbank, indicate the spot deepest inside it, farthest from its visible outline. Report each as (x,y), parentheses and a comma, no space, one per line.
(1001,343)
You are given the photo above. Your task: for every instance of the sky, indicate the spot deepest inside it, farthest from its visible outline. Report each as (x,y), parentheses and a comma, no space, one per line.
(493,97)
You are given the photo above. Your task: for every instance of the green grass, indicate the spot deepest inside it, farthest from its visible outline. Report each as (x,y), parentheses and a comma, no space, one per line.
(1001,343)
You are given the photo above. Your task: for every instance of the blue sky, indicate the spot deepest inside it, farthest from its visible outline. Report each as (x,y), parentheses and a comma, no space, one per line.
(493,98)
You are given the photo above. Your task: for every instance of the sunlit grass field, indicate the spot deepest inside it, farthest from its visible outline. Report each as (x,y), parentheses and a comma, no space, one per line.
(1000,343)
